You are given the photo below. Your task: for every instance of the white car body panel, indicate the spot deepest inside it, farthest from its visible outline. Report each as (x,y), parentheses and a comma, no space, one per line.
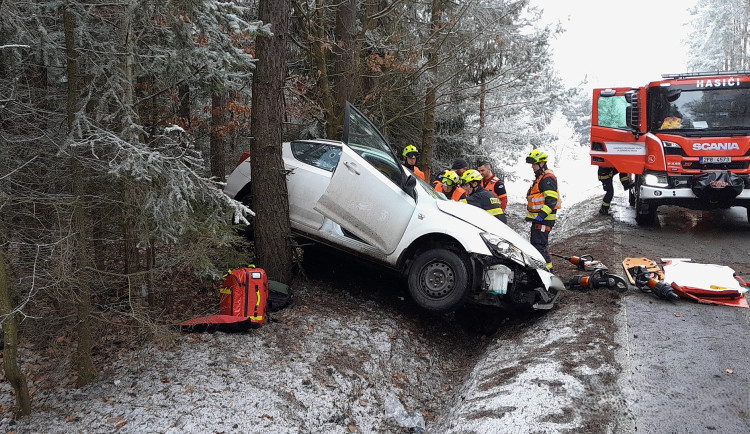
(378,215)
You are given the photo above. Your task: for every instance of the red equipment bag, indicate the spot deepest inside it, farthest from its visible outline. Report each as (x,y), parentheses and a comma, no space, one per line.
(244,293)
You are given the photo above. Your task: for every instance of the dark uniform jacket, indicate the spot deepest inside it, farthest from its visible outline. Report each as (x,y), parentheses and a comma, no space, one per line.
(487,201)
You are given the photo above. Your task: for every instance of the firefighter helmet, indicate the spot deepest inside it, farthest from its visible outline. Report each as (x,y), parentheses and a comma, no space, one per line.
(537,156)
(450,179)
(410,151)
(471,175)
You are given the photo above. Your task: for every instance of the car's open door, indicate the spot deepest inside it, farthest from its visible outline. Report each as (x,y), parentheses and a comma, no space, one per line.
(613,139)
(365,195)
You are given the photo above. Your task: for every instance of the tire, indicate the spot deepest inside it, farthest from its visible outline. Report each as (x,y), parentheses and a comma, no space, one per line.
(645,214)
(642,217)
(439,280)
(748,214)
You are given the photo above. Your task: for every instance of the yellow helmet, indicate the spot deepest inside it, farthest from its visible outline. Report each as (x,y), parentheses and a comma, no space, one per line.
(450,179)
(537,156)
(471,175)
(410,151)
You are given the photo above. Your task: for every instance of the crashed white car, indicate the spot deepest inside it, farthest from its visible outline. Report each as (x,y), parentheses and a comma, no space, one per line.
(354,195)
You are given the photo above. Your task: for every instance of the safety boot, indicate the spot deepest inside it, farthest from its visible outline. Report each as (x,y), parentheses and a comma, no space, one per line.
(604,210)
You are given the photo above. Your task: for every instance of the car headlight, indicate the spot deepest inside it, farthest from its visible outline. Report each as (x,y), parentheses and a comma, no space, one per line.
(656,179)
(502,247)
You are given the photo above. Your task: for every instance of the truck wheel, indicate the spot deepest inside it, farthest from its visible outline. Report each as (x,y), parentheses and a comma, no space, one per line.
(645,214)
(439,280)
(748,214)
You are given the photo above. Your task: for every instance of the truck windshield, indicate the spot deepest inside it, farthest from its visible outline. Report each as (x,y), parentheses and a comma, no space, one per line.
(672,108)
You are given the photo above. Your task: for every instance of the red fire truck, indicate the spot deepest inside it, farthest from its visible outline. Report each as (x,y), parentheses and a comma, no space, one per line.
(686,139)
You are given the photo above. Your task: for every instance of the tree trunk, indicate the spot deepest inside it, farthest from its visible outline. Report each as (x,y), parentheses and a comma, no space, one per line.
(345,64)
(482,96)
(430,100)
(218,121)
(13,372)
(183,111)
(84,362)
(273,246)
(320,59)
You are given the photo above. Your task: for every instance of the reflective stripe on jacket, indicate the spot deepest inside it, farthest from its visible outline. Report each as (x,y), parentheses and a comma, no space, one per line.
(486,200)
(544,202)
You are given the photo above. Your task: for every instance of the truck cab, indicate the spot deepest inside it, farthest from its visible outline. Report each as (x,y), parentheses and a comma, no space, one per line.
(686,138)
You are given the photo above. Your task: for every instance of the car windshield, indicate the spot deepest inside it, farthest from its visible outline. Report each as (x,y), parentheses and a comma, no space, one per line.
(362,136)
(673,108)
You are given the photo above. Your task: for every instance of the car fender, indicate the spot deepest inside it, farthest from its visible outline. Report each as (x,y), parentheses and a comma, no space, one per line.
(483,220)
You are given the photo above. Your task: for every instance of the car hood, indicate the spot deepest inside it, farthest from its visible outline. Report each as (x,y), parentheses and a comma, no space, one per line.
(488,223)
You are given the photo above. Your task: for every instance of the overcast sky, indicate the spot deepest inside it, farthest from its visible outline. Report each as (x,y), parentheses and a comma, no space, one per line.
(618,43)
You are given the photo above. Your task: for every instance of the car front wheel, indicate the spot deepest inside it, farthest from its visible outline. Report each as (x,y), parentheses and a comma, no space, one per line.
(439,280)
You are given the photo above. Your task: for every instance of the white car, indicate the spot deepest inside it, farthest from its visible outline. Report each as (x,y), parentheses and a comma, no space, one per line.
(355,195)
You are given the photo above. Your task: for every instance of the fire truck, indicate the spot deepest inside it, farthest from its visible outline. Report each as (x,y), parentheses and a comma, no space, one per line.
(685,139)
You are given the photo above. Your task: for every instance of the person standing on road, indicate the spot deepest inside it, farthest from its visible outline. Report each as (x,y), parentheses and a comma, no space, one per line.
(410,154)
(451,188)
(492,183)
(606,174)
(478,196)
(543,201)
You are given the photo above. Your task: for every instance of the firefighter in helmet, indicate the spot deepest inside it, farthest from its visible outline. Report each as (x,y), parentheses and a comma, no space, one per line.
(543,201)
(451,186)
(606,175)
(471,181)
(410,154)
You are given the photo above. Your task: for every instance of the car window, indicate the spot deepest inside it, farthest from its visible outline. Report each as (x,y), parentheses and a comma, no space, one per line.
(362,136)
(321,155)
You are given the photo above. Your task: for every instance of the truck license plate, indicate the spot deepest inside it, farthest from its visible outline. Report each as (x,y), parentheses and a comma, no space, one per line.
(716,159)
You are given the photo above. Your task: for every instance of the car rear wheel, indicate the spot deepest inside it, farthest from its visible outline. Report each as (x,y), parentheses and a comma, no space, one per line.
(439,280)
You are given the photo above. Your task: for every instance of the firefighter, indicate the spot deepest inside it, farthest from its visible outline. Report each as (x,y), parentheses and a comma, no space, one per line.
(459,166)
(410,154)
(606,174)
(492,183)
(471,181)
(450,186)
(543,202)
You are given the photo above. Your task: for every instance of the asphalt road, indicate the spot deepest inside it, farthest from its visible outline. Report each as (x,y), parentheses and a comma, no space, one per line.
(687,365)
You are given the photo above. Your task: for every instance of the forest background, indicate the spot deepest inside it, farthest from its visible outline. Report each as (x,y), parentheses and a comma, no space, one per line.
(119,121)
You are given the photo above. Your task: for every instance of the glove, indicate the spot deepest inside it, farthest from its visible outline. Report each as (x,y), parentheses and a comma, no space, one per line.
(539,218)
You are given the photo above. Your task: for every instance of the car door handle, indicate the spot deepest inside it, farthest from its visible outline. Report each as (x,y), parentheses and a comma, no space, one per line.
(352,167)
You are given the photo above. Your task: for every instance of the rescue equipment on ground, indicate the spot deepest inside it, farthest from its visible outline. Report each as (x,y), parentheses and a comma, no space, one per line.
(243,303)
(583,262)
(648,281)
(682,278)
(600,276)
(597,280)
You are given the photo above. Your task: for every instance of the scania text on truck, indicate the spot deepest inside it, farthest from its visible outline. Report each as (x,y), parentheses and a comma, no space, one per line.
(686,139)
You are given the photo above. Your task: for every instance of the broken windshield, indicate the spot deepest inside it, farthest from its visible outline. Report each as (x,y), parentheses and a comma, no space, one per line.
(673,108)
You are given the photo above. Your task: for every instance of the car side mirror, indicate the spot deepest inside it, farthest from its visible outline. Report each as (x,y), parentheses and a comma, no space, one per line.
(410,186)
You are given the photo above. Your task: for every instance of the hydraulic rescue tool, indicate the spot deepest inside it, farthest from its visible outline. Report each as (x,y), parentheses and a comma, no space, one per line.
(599,278)
(647,281)
(583,262)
